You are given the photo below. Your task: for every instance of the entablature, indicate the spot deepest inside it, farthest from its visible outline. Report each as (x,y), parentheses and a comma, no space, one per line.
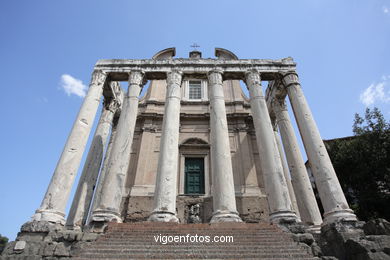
(119,69)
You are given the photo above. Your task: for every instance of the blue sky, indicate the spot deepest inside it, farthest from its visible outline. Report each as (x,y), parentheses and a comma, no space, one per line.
(48,47)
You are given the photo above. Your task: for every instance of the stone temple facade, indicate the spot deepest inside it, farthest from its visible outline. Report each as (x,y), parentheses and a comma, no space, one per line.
(194,148)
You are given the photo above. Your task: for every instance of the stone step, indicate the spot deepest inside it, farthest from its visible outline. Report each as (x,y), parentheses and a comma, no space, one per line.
(159,251)
(137,241)
(143,242)
(196,245)
(198,256)
(210,237)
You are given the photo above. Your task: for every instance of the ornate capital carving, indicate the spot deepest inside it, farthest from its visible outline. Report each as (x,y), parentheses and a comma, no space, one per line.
(98,77)
(279,105)
(174,77)
(215,77)
(111,104)
(290,78)
(252,78)
(118,92)
(136,77)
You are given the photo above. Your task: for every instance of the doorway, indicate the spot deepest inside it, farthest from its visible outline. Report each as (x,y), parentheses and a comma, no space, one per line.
(194,176)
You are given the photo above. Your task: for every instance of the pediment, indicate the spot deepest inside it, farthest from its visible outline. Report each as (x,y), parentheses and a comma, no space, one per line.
(194,141)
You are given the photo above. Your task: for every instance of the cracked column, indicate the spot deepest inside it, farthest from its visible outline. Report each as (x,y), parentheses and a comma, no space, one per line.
(275,184)
(224,200)
(52,208)
(167,169)
(307,204)
(83,197)
(329,188)
(108,207)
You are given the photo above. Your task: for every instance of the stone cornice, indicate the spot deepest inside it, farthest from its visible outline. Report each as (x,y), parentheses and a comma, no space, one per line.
(187,102)
(118,69)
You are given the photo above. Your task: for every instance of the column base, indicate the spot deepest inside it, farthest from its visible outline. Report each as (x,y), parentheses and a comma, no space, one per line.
(105,216)
(230,216)
(314,229)
(338,215)
(163,216)
(283,216)
(49,215)
(74,227)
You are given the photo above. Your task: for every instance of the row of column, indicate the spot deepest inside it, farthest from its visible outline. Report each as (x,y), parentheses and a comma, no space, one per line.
(331,194)
(108,195)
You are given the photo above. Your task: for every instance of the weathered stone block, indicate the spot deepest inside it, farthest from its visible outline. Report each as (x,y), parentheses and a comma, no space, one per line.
(71,235)
(48,249)
(377,227)
(32,237)
(62,250)
(305,238)
(89,237)
(20,246)
(57,236)
(40,226)
(316,249)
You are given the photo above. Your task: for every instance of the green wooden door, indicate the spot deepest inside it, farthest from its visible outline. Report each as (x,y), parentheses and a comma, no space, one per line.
(194,176)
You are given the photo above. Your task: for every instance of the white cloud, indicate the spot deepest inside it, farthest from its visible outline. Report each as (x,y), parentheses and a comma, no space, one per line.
(376,92)
(73,86)
(385,9)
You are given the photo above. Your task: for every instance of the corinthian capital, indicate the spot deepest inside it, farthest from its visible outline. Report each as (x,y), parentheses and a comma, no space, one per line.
(215,77)
(174,77)
(98,77)
(290,78)
(111,104)
(136,77)
(252,78)
(279,105)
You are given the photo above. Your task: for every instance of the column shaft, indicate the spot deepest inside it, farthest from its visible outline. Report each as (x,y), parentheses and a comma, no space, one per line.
(53,205)
(83,197)
(275,184)
(99,185)
(110,201)
(167,169)
(224,200)
(331,194)
(286,173)
(310,213)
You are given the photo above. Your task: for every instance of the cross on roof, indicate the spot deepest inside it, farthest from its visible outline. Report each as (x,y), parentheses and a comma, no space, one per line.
(194,46)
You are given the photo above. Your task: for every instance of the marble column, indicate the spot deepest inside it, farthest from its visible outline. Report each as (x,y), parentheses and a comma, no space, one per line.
(275,184)
(83,197)
(224,200)
(100,181)
(109,206)
(307,204)
(52,208)
(167,169)
(286,173)
(329,188)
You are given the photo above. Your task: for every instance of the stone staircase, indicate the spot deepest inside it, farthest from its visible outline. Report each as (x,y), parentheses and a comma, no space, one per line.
(250,241)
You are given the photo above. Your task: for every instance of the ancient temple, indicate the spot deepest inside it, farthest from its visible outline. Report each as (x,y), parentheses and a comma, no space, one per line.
(196,155)
(194,140)
(193,149)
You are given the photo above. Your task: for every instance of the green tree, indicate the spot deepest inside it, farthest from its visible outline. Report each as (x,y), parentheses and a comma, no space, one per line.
(3,242)
(362,163)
